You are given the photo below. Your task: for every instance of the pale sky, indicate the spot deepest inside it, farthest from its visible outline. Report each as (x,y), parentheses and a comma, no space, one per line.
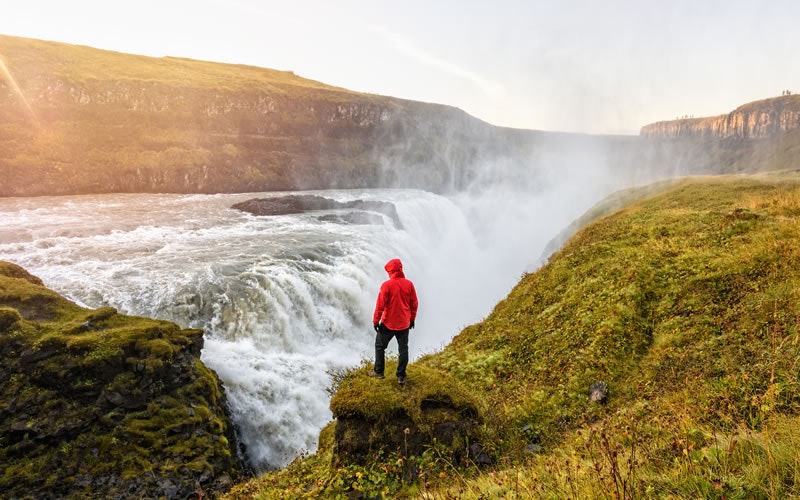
(579,66)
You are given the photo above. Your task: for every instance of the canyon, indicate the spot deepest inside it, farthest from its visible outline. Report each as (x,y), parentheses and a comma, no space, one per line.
(78,120)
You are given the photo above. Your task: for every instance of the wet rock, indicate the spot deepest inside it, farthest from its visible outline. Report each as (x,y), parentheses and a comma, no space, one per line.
(298,204)
(167,488)
(354,218)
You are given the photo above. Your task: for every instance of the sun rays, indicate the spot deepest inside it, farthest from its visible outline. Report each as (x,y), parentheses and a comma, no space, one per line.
(7,75)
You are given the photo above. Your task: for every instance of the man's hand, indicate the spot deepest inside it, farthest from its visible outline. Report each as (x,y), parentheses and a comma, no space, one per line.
(411,326)
(377,327)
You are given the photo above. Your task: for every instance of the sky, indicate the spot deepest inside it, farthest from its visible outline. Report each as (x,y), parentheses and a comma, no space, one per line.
(560,65)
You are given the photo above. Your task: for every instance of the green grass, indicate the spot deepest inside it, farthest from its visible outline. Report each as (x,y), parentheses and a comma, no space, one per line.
(80,64)
(685,303)
(359,395)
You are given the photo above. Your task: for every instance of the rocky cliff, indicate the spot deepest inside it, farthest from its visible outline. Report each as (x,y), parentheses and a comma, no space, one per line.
(755,120)
(95,404)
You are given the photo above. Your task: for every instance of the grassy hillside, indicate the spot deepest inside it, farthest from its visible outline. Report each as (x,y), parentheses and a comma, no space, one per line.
(28,58)
(104,121)
(684,303)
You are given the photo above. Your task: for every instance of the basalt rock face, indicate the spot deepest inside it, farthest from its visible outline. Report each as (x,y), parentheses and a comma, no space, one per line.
(755,120)
(96,404)
(756,137)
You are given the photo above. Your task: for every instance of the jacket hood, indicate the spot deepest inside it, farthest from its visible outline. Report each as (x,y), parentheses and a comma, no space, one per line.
(395,268)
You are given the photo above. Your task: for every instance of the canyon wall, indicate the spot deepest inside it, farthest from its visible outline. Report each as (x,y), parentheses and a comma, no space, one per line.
(80,120)
(755,120)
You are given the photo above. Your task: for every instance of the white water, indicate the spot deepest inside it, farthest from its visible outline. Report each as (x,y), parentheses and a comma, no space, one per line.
(285,299)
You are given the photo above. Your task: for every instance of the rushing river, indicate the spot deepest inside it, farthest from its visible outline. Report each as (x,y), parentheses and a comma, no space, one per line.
(286,299)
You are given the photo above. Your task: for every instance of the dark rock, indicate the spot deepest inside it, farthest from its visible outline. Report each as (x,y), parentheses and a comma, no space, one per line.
(115,398)
(598,392)
(20,425)
(533,448)
(167,488)
(479,455)
(298,204)
(354,218)
(224,482)
(357,438)
(34,354)
(432,408)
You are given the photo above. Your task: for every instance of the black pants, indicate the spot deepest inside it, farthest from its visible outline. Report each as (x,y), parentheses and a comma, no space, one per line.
(382,339)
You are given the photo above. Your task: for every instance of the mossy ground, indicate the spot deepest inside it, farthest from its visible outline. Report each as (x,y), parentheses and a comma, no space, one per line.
(95,403)
(686,303)
(359,395)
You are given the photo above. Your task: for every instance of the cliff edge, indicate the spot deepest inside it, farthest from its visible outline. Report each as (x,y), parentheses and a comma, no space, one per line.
(95,404)
(754,120)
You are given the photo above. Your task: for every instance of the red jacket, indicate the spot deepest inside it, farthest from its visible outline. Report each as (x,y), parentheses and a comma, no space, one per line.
(397,300)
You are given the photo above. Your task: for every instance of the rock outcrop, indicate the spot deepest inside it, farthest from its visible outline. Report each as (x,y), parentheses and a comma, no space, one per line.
(379,417)
(755,120)
(96,404)
(297,204)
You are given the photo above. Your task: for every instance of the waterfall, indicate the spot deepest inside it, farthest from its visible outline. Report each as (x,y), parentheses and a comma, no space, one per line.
(286,299)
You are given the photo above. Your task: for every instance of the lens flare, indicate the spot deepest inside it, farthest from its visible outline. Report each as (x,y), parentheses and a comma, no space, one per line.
(7,75)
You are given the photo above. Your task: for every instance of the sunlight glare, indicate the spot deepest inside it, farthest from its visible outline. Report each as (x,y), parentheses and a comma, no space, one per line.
(7,74)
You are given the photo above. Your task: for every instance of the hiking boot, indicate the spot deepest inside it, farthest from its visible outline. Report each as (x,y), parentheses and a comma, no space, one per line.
(374,374)
(401,380)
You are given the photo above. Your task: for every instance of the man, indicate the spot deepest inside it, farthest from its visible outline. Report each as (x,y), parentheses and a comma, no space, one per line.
(395,312)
